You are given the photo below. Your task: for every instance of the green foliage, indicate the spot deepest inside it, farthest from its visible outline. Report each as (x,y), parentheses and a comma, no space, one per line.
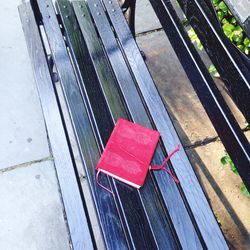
(226,160)
(213,71)
(194,38)
(231,27)
(244,190)
(184,21)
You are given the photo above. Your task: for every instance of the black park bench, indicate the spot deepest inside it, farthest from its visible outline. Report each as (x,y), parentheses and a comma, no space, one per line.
(88,50)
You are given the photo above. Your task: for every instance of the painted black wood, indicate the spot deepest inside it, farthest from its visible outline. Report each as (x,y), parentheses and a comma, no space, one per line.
(223,121)
(89,149)
(161,215)
(71,196)
(128,9)
(172,196)
(97,60)
(203,214)
(222,52)
(155,213)
(128,199)
(88,75)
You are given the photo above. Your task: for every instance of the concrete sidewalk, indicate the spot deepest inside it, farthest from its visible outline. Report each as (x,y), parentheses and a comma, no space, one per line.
(31,212)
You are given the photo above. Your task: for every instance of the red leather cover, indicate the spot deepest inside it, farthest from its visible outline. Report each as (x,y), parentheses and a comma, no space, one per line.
(129,152)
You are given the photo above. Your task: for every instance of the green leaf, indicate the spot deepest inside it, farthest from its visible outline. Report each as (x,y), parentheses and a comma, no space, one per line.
(184,21)
(241,47)
(195,39)
(199,45)
(233,20)
(233,168)
(244,190)
(238,28)
(246,42)
(223,6)
(220,15)
(226,159)
(213,71)
(224,20)
(215,2)
(228,28)
(223,160)
(237,37)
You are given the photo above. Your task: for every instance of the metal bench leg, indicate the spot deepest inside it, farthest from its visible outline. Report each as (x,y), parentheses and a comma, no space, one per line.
(128,9)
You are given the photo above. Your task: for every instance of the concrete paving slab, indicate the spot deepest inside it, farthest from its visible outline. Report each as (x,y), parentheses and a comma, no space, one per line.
(188,115)
(22,130)
(31,212)
(145,18)
(222,186)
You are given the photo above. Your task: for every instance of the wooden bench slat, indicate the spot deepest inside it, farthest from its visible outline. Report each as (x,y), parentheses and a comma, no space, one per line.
(223,120)
(107,211)
(222,52)
(172,196)
(101,65)
(157,214)
(70,190)
(203,215)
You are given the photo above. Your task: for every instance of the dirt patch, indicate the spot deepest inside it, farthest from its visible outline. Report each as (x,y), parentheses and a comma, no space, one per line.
(222,186)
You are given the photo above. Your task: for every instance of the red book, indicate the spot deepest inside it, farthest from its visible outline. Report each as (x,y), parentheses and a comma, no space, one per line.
(128,153)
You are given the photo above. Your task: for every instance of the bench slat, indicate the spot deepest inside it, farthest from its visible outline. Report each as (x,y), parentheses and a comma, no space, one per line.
(80,116)
(173,199)
(203,215)
(222,52)
(71,196)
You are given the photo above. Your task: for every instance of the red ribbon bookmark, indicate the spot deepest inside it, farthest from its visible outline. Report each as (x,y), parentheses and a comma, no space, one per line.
(99,184)
(161,167)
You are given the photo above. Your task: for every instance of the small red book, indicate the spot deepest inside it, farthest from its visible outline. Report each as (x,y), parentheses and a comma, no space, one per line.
(128,153)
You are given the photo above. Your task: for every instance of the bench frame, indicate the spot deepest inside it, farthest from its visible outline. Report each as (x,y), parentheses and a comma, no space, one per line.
(72,60)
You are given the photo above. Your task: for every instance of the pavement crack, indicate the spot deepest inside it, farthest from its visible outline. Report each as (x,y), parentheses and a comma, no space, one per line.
(25,164)
(209,140)
(202,142)
(144,33)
